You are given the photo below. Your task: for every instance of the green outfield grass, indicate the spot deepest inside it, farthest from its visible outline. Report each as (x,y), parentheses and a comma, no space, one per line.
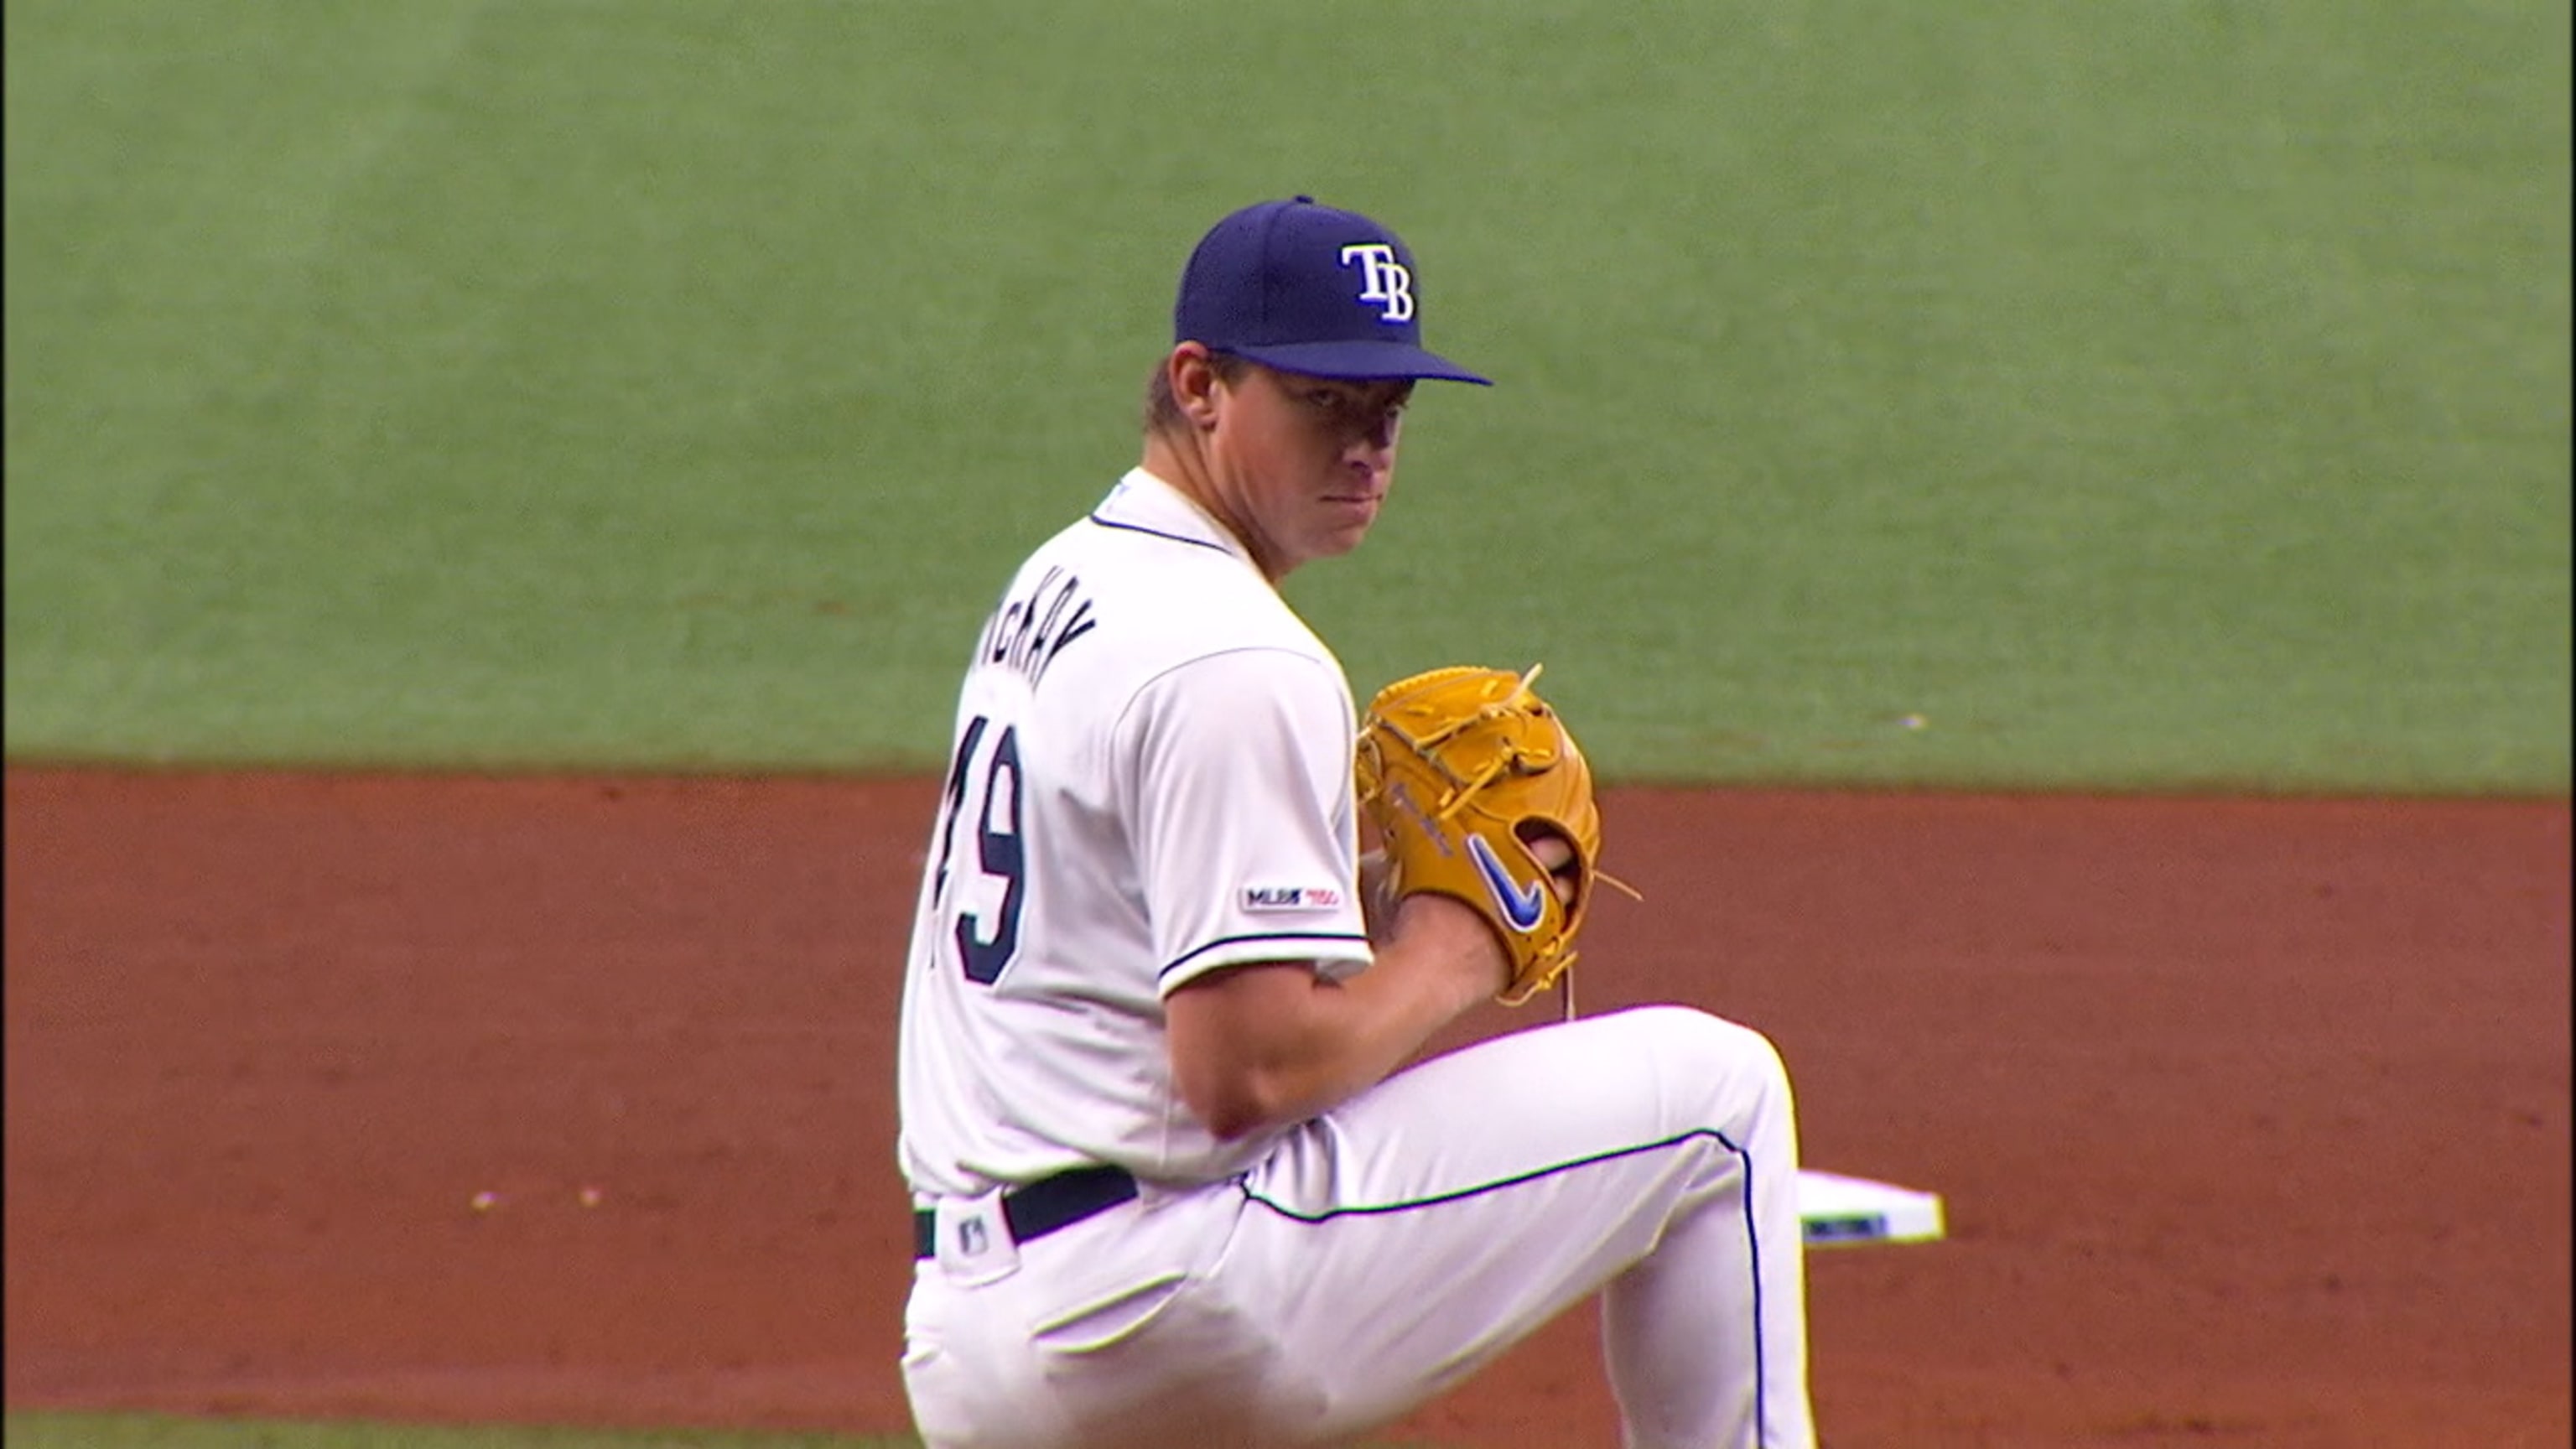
(2141,396)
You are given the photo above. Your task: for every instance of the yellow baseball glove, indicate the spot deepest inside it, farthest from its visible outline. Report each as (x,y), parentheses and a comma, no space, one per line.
(1460,771)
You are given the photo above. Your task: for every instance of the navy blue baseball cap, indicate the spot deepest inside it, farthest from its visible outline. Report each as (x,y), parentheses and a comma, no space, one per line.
(1309,289)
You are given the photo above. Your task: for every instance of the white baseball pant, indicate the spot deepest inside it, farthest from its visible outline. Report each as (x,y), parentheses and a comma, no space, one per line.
(1387,1250)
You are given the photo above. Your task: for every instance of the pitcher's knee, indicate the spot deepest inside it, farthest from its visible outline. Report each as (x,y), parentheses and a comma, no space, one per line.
(1711,1044)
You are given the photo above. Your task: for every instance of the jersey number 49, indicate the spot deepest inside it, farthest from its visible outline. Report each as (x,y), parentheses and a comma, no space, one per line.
(985,940)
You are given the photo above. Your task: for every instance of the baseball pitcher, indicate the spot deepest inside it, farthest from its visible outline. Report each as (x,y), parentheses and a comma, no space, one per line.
(1174,1182)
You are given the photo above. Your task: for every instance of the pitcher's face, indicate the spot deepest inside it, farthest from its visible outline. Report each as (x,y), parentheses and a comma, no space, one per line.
(1303,464)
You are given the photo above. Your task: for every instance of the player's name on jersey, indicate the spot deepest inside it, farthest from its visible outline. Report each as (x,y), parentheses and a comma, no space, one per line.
(1030,630)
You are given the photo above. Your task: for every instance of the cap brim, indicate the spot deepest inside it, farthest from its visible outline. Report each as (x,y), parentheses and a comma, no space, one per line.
(1359,361)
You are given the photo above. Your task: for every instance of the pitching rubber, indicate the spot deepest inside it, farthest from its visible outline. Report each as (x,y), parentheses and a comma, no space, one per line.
(1844,1212)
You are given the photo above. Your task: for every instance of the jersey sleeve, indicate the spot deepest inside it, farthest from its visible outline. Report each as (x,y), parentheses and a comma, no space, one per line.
(1245,836)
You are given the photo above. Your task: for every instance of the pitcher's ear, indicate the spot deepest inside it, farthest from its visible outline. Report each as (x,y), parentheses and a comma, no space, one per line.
(1192,371)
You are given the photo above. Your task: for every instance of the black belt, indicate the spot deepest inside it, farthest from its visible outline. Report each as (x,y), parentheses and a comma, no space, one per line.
(1043,1206)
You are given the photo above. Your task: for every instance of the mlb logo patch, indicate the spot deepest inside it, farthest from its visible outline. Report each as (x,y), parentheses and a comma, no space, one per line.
(1291,898)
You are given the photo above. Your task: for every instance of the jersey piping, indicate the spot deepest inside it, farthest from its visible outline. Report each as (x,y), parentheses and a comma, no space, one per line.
(1158,533)
(1309,937)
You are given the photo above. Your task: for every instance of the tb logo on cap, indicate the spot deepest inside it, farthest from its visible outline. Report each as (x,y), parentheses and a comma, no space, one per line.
(1383,279)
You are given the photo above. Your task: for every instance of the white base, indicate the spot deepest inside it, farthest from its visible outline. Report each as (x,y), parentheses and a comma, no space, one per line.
(1843,1212)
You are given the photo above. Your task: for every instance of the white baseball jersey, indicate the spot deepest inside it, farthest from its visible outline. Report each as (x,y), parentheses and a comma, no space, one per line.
(1151,780)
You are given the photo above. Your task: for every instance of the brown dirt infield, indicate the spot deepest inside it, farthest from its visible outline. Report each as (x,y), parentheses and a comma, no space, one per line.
(2252,1118)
